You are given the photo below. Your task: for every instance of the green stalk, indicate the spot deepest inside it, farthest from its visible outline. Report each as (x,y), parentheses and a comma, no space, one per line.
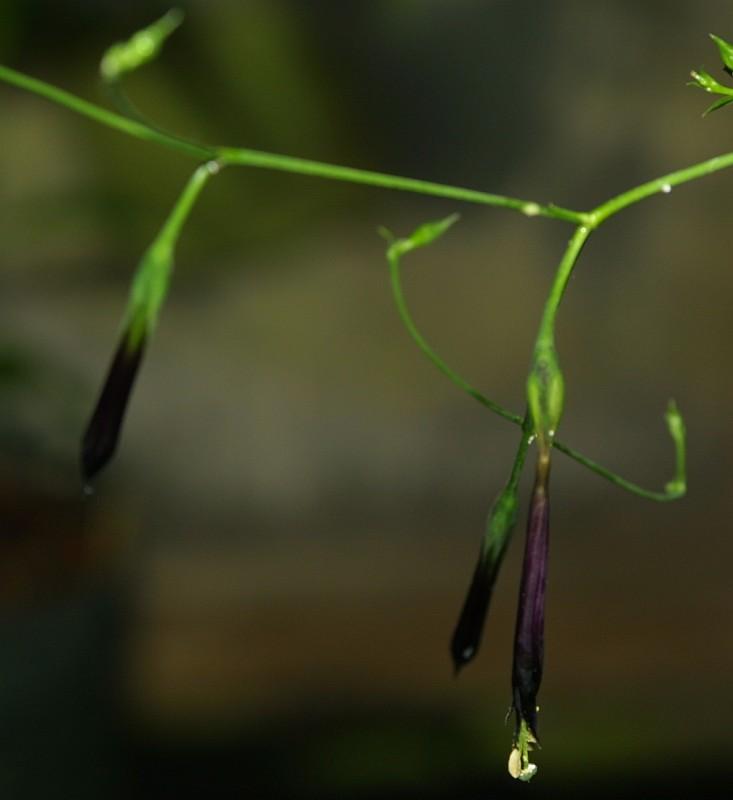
(661,185)
(253,158)
(129,126)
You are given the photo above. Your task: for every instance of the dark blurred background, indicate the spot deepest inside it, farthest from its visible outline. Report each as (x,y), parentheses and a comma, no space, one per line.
(258,598)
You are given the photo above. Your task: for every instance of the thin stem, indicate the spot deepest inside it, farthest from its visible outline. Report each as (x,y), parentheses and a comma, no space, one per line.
(173,225)
(661,185)
(255,158)
(521,455)
(546,333)
(102,115)
(393,256)
(672,492)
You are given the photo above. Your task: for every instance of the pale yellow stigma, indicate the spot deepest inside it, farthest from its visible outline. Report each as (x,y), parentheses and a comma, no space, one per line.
(519,765)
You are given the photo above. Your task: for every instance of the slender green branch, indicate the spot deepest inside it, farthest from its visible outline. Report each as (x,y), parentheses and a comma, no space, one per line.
(545,334)
(425,235)
(102,115)
(255,158)
(662,185)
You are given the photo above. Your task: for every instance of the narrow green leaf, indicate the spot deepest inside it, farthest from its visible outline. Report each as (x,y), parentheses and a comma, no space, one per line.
(717,104)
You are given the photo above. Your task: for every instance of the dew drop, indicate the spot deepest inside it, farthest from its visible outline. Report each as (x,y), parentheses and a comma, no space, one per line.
(666,188)
(530,209)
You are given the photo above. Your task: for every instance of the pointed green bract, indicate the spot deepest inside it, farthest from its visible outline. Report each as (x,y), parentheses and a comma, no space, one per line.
(725,49)
(140,48)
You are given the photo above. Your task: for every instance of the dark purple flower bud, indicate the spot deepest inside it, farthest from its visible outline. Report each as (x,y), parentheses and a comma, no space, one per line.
(467,635)
(103,430)
(529,644)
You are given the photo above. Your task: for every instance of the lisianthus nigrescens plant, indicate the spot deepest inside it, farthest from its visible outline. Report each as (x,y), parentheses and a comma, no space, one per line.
(545,384)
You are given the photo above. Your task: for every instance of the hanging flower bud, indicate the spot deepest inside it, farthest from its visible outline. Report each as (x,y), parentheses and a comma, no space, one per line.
(147,294)
(499,526)
(148,290)
(529,643)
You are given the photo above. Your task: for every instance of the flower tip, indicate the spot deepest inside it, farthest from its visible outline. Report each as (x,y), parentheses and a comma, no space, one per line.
(461,656)
(518,770)
(102,433)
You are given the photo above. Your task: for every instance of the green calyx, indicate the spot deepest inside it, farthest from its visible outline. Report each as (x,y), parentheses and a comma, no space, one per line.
(545,393)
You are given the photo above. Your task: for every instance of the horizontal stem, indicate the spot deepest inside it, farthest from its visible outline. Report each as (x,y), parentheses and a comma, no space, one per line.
(634,488)
(255,158)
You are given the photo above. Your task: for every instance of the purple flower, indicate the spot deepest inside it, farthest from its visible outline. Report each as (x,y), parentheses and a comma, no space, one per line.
(529,644)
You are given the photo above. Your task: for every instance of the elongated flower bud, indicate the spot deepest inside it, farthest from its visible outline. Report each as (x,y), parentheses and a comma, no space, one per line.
(147,293)
(102,433)
(499,526)
(529,636)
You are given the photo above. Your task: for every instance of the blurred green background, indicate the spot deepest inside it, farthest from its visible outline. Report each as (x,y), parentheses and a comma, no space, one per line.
(259,597)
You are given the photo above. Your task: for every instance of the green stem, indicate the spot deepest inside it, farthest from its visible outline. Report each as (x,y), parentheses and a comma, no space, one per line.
(301,166)
(102,115)
(171,230)
(521,456)
(661,185)
(674,490)
(152,277)
(546,333)
(393,256)
(255,158)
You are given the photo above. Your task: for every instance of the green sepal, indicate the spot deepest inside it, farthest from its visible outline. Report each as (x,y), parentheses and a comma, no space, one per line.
(140,48)
(725,49)
(545,393)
